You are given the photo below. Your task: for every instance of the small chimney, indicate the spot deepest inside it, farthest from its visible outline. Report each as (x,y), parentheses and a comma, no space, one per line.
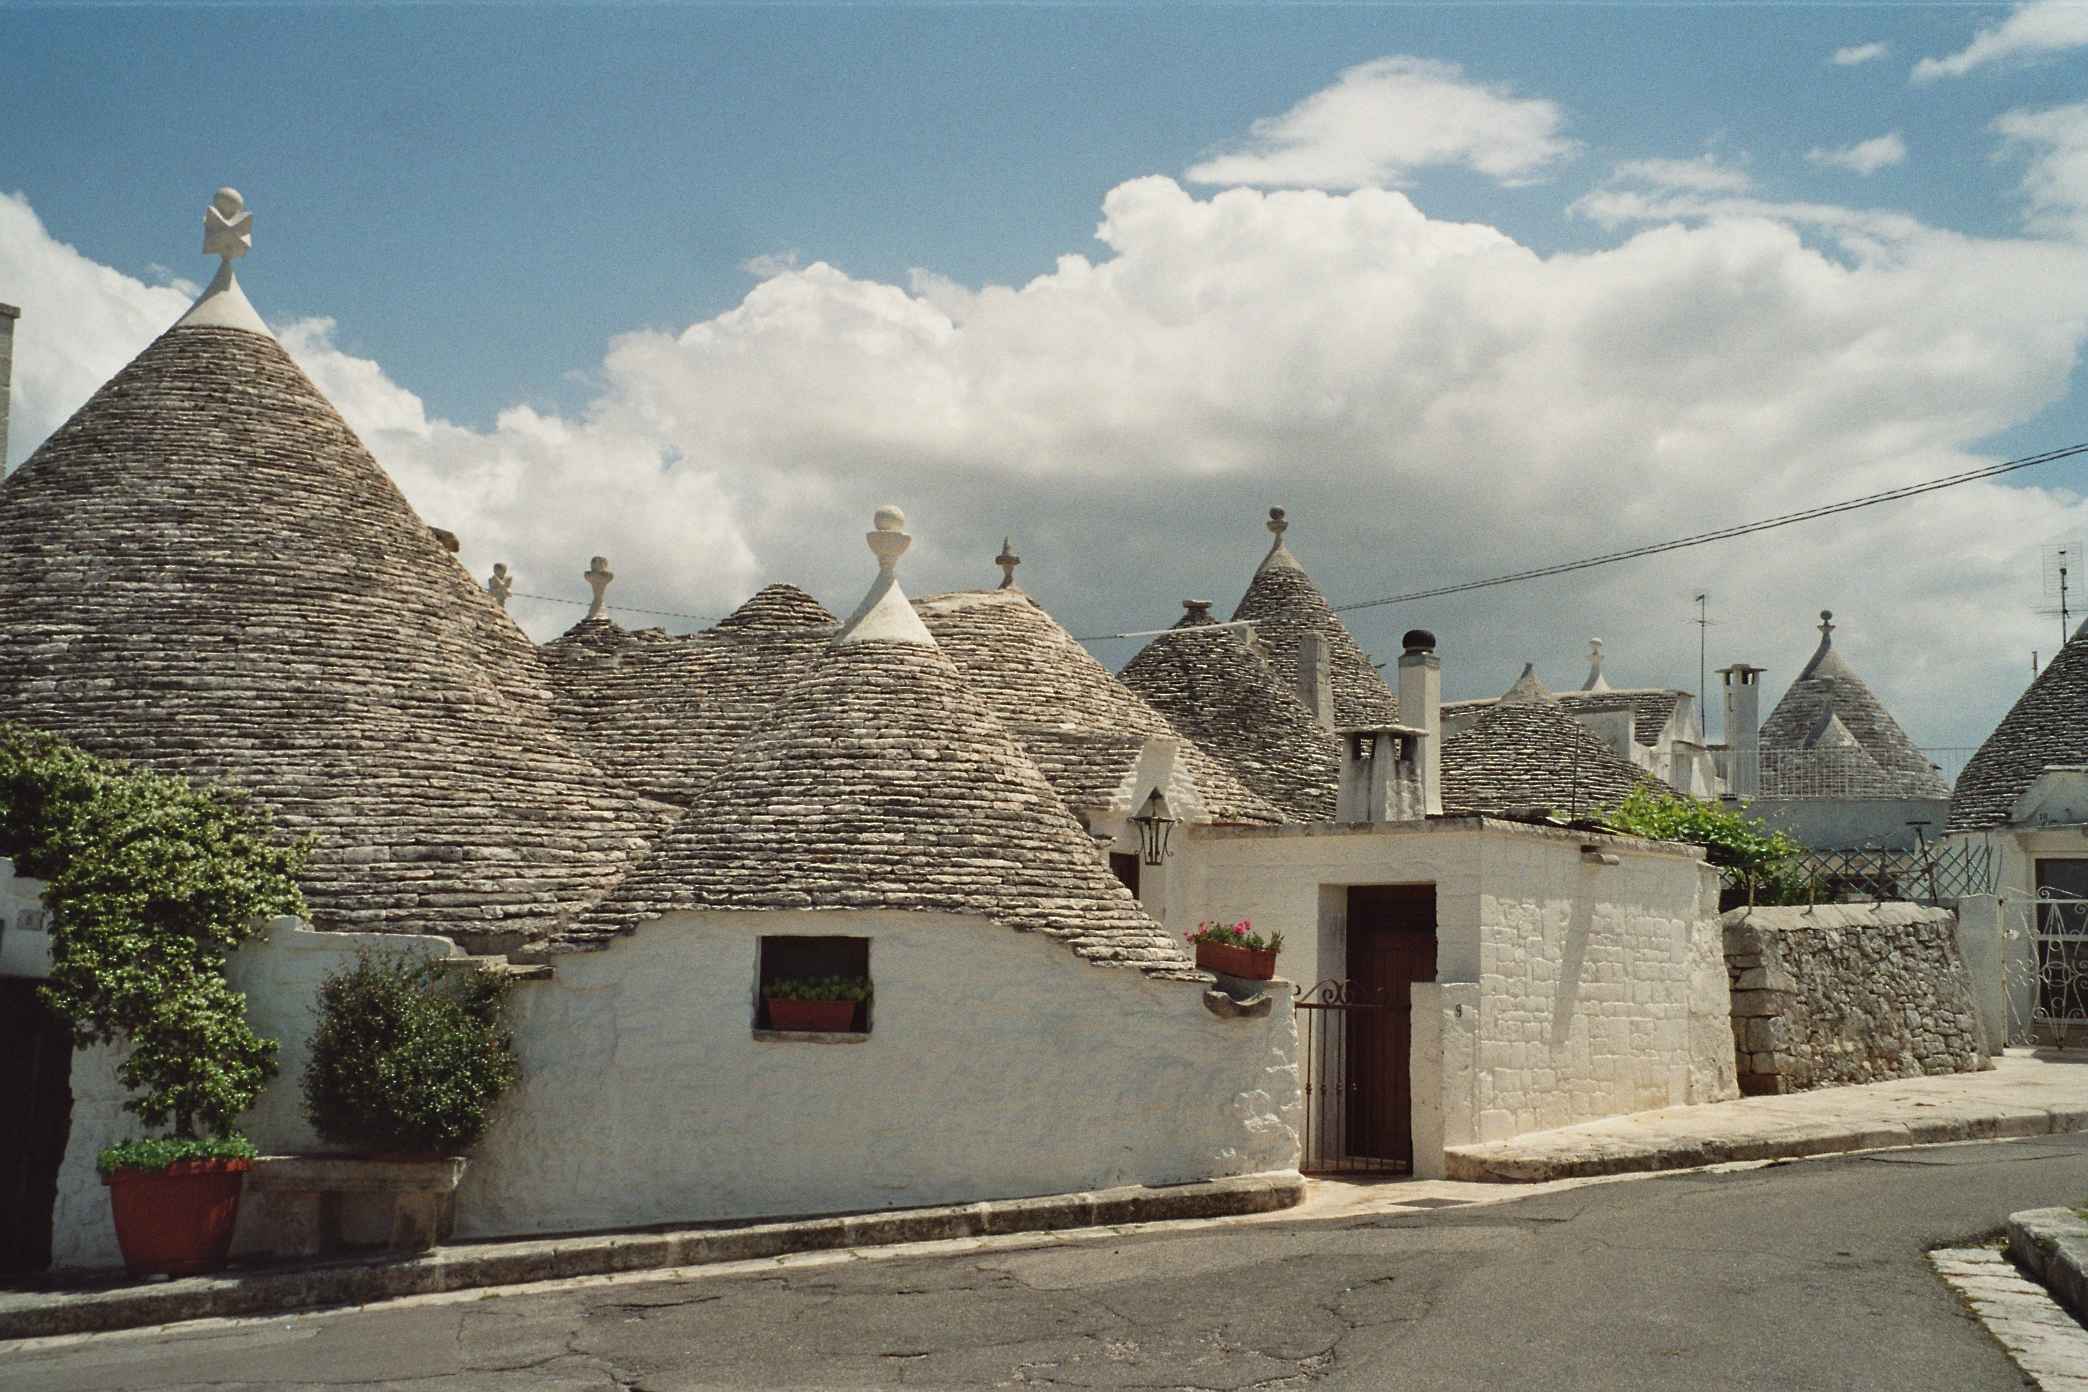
(1743,728)
(1421,706)
(1315,679)
(1380,775)
(8,315)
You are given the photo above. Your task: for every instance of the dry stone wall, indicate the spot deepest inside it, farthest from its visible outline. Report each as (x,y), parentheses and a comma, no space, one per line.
(1848,993)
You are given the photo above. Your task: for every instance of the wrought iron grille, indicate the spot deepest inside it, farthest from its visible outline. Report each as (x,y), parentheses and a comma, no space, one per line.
(2060,960)
(1926,874)
(1345,1101)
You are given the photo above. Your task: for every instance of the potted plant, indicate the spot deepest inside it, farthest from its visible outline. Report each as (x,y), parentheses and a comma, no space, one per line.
(150,884)
(824,1005)
(408,1060)
(1235,950)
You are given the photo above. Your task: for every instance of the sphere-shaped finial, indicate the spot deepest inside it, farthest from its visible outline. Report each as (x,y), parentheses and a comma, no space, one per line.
(889,542)
(1276,522)
(889,519)
(228,229)
(1826,624)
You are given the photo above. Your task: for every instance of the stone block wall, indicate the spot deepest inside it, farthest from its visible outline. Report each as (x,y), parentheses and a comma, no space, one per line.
(1849,993)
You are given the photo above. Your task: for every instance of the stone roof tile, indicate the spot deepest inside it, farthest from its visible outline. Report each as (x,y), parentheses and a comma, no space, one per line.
(2047,726)
(1523,756)
(1286,604)
(1828,684)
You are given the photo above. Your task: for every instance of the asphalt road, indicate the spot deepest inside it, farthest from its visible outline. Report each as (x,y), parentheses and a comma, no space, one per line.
(1796,1276)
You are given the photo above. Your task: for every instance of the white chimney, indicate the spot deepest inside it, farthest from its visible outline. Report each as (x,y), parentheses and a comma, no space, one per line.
(1421,707)
(1380,775)
(1315,679)
(8,315)
(1743,728)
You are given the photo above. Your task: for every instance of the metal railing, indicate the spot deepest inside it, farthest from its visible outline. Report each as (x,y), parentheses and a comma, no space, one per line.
(2059,962)
(1927,874)
(1347,1114)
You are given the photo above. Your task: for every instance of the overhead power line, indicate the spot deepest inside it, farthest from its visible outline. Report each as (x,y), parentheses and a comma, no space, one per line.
(1985,471)
(618,608)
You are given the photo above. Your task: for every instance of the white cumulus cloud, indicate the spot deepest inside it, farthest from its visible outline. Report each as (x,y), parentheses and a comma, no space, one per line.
(1864,157)
(1860,53)
(1432,400)
(1383,120)
(2055,186)
(2031,31)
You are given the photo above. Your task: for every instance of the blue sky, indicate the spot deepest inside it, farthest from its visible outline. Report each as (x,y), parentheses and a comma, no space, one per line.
(512,205)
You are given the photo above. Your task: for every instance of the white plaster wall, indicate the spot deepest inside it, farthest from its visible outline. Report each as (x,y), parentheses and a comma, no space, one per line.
(999,1065)
(1852,822)
(280,971)
(1599,989)
(2015,856)
(25,946)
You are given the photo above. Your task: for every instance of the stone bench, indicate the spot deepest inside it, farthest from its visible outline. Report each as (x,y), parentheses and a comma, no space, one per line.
(306,1193)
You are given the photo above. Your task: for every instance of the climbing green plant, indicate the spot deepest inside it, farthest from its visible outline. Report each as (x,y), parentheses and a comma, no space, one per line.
(151,882)
(1751,856)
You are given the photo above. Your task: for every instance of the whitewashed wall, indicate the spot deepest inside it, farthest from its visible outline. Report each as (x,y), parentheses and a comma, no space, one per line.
(25,945)
(1000,1065)
(280,972)
(1599,990)
(2014,923)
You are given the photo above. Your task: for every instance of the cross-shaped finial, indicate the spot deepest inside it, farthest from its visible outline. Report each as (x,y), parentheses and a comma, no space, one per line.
(1826,625)
(228,229)
(598,575)
(500,585)
(1276,522)
(1007,560)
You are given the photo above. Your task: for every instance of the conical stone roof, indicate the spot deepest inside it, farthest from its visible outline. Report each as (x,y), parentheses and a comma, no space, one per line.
(1222,694)
(1519,757)
(1080,725)
(205,572)
(1829,688)
(2047,726)
(665,711)
(1287,604)
(882,782)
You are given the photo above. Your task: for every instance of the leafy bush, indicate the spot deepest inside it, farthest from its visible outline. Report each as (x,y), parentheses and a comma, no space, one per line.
(821,988)
(155,1153)
(408,1056)
(1743,848)
(1234,935)
(151,884)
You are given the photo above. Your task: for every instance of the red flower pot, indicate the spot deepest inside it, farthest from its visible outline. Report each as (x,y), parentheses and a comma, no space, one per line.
(177,1221)
(822,1017)
(1236,961)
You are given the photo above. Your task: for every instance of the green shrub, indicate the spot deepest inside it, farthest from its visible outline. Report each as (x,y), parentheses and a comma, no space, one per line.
(1755,863)
(156,1153)
(822,988)
(408,1056)
(151,884)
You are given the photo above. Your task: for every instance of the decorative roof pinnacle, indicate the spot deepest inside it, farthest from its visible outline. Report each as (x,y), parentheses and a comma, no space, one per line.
(228,233)
(1279,554)
(889,541)
(1595,681)
(500,584)
(599,575)
(885,615)
(1826,626)
(1007,560)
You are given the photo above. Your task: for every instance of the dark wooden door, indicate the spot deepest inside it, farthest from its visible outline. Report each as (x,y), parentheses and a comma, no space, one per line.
(35,1118)
(1391,945)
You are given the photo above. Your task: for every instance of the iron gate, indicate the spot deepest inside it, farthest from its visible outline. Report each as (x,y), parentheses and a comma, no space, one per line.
(1346,1099)
(2060,960)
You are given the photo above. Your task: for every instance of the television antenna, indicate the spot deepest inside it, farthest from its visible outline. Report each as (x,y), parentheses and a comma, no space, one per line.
(2062,576)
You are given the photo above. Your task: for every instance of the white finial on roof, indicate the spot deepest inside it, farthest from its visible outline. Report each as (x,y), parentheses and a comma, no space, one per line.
(885,616)
(599,575)
(1279,554)
(500,585)
(228,233)
(1827,626)
(1595,681)
(1007,560)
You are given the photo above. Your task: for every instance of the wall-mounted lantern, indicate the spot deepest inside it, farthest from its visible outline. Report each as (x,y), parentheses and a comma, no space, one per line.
(1154,820)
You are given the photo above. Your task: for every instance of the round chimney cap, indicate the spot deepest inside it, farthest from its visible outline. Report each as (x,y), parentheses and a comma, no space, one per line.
(1418,640)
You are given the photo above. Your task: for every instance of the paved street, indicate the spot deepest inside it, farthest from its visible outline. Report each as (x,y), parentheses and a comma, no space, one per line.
(1796,1276)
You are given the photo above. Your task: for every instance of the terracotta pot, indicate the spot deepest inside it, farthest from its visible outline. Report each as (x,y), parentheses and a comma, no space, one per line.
(818,1016)
(1243,962)
(177,1221)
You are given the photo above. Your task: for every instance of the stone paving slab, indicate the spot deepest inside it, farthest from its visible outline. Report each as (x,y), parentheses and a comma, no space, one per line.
(2027,1093)
(121,1303)
(2047,1343)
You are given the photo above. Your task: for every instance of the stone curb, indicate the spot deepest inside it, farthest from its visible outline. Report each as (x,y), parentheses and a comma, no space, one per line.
(2052,1245)
(1520,1162)
(277,1290)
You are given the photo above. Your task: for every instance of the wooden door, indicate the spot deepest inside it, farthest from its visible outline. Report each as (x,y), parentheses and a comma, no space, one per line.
(1391,945)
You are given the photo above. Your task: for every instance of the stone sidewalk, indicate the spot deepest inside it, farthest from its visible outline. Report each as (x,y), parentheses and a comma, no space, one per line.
(2028,1092)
